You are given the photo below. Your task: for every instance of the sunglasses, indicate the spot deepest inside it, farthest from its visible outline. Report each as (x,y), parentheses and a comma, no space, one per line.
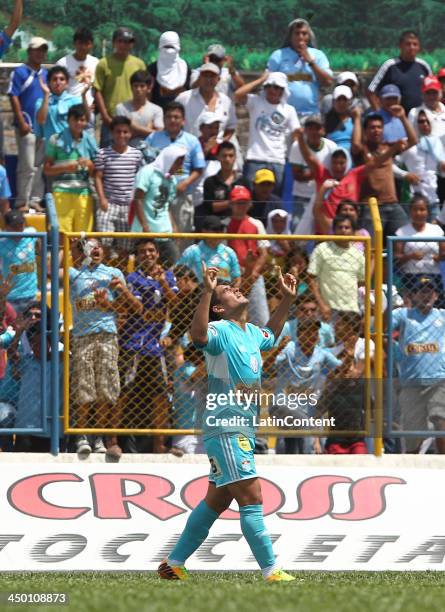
(420,121)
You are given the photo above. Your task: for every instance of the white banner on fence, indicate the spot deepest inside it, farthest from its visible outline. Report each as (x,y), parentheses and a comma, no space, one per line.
(128,517)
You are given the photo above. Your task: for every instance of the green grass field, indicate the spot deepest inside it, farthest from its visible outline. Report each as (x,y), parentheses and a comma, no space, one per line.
(234,592)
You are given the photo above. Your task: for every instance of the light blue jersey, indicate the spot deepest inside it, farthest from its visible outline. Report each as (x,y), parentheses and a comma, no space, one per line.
(326,333)
(184,396)
(233,359)
(302,371)
(222,257)
(194,160)
(421,353)
(18,257)
(88,317)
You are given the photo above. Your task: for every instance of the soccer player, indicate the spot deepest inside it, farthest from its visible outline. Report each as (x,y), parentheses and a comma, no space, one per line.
(233,356)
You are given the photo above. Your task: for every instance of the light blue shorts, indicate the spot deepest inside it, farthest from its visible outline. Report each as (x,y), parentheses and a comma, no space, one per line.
(231,458)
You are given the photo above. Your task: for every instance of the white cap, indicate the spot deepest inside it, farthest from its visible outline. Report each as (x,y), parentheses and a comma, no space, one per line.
(343,77)
(209,67)
(342,90)
(276,78)
(207,118)
(36,42)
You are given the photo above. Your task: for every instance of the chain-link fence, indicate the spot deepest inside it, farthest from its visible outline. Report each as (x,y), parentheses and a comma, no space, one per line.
(25,362)
(415,393)
(130,364)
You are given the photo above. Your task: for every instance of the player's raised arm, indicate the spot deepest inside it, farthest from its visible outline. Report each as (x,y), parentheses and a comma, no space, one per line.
(200,321)
(288,287)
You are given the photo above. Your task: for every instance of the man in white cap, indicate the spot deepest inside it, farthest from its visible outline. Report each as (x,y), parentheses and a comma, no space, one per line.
(208,127)
(230,79)
(206,98)
(349,79)
(338,122)
(271,122)
(304,188)
(24,91)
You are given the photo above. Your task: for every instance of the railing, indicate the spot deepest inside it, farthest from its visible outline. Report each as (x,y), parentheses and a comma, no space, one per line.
(371,422)
(128,400)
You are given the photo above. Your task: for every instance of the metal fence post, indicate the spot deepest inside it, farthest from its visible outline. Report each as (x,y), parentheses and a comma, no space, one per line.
(378,325)
(53,224)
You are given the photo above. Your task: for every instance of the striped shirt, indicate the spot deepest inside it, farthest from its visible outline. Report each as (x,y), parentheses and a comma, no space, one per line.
(119,171)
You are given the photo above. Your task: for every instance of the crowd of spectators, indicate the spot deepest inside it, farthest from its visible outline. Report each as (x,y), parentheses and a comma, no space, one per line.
(125,147)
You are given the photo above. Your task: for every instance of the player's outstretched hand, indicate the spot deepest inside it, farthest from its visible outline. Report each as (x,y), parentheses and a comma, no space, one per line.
(210,277)
(287,283)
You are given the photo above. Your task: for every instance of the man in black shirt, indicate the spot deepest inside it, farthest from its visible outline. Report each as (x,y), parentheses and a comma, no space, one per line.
(406,71)
(217,187)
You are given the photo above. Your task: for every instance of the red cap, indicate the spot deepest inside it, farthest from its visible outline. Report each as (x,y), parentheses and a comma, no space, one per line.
(431,82)
(240,193)
(441,74)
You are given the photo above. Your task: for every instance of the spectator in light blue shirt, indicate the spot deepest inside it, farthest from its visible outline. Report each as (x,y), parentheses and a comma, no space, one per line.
(306,308)
(393,129)
(52,109)
(213,253)
(18,261)
(421,362)
(155,190)
(194,164)
(307,68)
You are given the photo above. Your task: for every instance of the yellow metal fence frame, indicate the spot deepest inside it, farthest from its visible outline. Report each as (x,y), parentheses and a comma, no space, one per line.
(264,431)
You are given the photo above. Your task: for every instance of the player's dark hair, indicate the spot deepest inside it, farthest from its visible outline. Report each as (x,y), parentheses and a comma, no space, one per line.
(120,120)
(141,76)
(83,35)
(214,316)
(58,70)
(77,111)
(174,106)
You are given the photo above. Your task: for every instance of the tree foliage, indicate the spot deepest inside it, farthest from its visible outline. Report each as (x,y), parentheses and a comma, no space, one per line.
(255,26)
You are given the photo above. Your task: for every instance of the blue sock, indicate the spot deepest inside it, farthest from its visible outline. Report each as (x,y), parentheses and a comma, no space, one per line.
(195,532)
(254,530)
